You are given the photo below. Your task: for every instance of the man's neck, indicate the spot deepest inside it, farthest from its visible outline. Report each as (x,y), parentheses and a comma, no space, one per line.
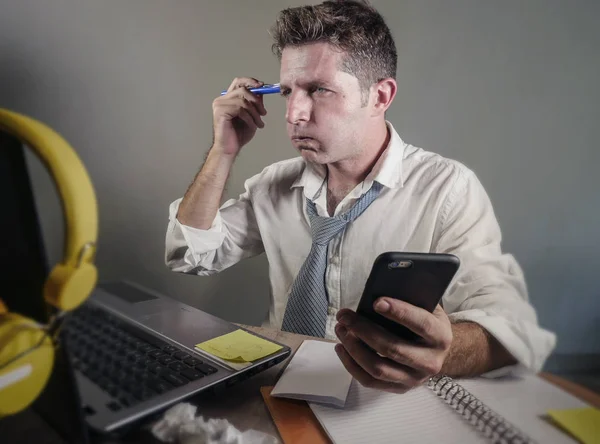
(343,176)
(346,174)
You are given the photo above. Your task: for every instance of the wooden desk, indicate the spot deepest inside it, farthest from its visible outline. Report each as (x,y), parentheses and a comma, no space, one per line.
(241,404)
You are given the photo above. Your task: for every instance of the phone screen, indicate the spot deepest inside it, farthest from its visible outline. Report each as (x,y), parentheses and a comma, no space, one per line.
(422,283)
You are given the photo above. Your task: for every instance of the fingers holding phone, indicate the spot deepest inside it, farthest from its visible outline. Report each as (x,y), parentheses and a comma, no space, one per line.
(431,328)
(379,359)
(400,335)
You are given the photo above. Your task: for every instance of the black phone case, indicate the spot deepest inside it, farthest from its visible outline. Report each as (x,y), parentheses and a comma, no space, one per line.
(420,279)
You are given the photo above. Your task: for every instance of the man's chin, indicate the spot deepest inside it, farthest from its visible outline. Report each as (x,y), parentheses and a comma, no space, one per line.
(310,155)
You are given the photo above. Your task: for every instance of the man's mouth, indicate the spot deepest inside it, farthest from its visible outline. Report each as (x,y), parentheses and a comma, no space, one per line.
(304,143)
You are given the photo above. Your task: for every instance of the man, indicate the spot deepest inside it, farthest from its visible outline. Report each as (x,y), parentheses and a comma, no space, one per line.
(338,69)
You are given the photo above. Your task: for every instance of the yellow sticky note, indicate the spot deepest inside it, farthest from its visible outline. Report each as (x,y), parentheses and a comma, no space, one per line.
(583,424)
(239,346)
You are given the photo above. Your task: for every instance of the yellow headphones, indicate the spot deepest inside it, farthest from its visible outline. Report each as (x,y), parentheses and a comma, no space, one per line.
(26,347)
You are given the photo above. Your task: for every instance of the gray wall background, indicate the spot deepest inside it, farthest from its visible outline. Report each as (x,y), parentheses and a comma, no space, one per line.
(510,88)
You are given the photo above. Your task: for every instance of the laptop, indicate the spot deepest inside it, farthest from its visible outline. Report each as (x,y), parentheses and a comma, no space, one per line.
(133,354)
(127,354)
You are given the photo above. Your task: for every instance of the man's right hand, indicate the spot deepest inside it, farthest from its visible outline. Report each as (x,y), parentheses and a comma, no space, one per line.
(237,116)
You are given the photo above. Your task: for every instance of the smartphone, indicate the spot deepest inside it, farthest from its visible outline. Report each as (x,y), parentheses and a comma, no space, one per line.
(420,279)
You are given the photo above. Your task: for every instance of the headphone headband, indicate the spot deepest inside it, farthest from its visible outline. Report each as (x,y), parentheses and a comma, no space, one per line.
(71,179)
(78,202)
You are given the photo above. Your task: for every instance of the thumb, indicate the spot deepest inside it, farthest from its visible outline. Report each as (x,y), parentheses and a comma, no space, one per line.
(439,312)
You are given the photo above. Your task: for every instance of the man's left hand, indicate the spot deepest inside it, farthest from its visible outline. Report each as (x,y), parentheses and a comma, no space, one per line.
(381,360)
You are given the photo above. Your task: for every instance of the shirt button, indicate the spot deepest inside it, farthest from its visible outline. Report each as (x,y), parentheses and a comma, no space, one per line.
(335,260)
(331,311)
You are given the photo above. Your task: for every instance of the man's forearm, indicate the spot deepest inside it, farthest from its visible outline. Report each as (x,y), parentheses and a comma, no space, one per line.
(202,200)
(474,351)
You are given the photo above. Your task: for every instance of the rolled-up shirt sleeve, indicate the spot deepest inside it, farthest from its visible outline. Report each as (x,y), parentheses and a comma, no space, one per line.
(233,236)
(489,288)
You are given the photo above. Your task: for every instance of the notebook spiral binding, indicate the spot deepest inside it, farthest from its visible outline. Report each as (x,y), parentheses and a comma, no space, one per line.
(493,426)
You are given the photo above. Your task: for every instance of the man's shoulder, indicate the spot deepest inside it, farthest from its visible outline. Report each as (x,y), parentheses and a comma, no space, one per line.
(422,162)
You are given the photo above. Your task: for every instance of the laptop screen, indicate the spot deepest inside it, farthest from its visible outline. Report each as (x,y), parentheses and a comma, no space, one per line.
(23,271)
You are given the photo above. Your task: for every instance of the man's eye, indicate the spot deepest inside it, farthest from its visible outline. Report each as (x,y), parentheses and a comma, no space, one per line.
(285,92)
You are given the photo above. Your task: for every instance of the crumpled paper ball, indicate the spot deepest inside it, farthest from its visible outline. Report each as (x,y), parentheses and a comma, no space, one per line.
(181,425)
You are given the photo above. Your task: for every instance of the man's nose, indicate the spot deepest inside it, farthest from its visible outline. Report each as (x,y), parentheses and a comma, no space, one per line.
(298,108)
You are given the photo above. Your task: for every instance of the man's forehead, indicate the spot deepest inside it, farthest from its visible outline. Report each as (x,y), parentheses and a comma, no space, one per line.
(308,63)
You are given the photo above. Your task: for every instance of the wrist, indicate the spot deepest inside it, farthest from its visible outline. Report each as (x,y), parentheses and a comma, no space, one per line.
(222,156)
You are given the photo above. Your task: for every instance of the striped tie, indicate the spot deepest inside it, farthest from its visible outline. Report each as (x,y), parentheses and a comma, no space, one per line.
(306,311)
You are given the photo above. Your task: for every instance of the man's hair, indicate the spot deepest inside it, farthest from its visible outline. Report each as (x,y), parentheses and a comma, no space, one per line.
(354,27)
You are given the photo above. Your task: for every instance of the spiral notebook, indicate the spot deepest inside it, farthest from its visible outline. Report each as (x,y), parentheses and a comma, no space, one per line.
(504,410)
(507,410)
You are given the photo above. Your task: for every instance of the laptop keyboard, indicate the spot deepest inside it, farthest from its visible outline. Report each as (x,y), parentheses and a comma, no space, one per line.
(126,362)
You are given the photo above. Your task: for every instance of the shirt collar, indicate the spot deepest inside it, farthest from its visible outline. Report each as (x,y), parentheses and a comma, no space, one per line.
(387,171)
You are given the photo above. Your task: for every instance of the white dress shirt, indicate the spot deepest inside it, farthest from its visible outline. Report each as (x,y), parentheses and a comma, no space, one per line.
(428,204)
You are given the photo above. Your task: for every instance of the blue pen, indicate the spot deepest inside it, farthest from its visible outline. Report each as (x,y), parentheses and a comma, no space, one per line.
(265,89)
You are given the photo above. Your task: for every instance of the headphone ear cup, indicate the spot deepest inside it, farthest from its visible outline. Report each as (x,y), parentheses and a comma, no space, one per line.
(67,287)
(22,380)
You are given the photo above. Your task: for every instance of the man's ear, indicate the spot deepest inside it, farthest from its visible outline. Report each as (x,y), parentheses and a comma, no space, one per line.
(383,93)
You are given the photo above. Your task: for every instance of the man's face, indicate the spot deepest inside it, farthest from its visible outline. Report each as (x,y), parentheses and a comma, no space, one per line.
(325,118)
